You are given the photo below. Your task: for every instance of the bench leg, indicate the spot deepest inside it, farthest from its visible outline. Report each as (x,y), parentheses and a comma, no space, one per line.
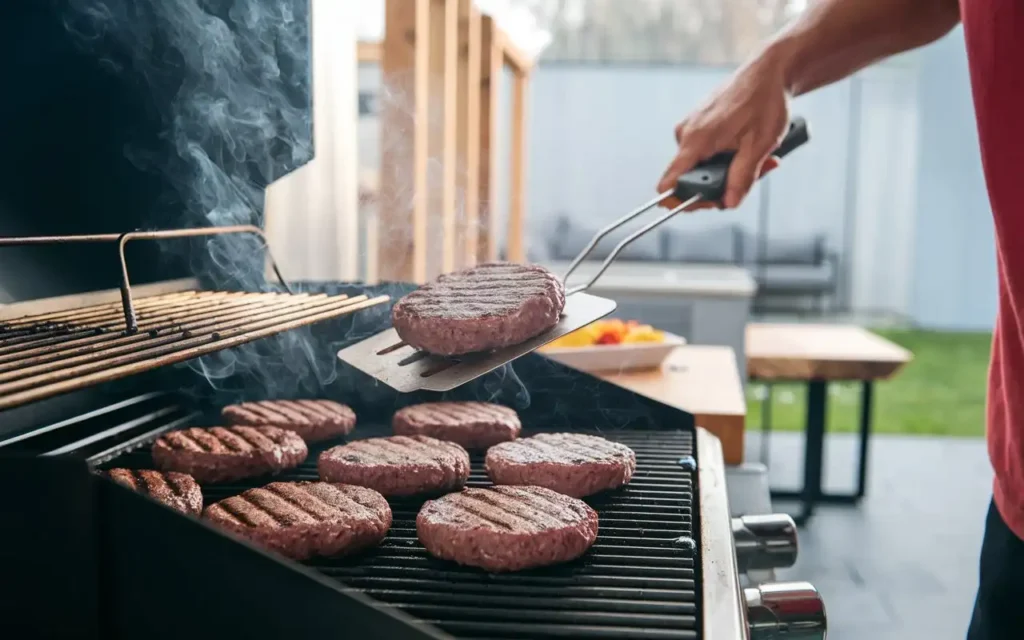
(814,453)
(865,436)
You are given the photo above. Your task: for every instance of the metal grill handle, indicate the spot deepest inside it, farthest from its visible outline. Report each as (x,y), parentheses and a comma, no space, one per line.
(130,320)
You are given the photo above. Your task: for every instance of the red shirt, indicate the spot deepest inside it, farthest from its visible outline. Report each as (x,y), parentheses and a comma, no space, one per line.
(994,30)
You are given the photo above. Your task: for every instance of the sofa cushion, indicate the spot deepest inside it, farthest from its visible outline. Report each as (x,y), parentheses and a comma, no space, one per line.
(570,238)
(715,245)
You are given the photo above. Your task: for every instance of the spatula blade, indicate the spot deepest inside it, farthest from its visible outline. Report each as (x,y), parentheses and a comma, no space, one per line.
(385,357)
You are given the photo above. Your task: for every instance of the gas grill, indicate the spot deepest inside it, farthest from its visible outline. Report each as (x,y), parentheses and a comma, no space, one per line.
(665,564)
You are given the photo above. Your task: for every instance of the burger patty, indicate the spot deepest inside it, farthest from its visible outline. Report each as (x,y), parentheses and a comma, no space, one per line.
(575,464)
(314,420)
(305,519)
(506,528)
(178,491)
(485,307)
(220,454)
(473,425)
(398,465)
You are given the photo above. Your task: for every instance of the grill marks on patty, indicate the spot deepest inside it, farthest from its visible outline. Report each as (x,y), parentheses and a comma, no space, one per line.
(511,509)
(474,425)
(176,490)
(507,528)
(220,454)
(481,308)
(288,504)
(223,440)
(314,420)
(304,519)
(397,465)
(575,464)
(488,289)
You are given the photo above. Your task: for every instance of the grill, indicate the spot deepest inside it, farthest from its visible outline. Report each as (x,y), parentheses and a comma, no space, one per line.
(663,565)
(639,580)
(46,353)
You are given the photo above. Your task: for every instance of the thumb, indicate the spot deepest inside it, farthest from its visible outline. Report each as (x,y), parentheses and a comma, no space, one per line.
(746,167)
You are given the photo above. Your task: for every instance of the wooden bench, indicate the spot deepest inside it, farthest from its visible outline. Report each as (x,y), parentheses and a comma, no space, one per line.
(702,380)
(816,355)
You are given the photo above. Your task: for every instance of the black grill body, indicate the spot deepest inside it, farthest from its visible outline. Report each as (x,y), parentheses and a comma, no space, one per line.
(157,574)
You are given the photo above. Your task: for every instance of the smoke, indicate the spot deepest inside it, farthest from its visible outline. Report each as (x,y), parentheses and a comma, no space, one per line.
(229,82)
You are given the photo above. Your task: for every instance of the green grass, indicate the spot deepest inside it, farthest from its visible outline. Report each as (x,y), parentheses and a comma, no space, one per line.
(941,392)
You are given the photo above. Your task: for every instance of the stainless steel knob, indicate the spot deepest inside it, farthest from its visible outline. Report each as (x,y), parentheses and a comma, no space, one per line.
(791,610)
(764,542)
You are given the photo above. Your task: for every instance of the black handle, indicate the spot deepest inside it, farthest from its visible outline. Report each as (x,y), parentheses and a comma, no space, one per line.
(708,178)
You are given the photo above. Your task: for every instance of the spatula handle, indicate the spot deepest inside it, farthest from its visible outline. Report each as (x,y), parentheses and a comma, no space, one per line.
(709,177)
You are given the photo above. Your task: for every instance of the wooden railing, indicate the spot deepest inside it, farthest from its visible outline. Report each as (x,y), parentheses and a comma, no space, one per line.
(441,68)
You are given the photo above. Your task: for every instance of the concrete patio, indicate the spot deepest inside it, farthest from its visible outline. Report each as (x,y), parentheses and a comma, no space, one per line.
(903,564)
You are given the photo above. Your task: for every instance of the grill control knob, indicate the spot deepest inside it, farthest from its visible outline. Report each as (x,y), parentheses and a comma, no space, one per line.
(791,610)
(764,542)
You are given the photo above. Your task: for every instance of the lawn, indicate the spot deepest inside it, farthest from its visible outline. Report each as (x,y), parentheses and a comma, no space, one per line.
(941,392)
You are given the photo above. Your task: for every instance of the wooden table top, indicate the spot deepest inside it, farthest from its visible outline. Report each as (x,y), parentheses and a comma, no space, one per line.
(702,380)
(819,351)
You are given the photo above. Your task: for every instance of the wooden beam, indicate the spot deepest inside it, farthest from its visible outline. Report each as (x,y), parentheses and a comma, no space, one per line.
(517,182)
(491,66)
(468,177)
(369,52)
(444,24)
(514,57)
(401,201)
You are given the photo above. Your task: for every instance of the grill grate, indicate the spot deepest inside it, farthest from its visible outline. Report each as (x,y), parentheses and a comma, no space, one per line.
(637,581)
(51,353)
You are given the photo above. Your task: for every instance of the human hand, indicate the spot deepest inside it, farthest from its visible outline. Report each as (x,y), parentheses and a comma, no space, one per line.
(749,115)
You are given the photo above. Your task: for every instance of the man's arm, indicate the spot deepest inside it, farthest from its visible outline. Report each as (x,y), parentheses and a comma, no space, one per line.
(829,41)
(834,38)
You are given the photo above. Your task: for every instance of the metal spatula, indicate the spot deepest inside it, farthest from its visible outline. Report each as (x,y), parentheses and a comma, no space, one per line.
(406,369)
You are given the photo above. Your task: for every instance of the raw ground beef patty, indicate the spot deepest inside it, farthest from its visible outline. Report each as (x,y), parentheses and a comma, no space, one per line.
(178,491)
(314,420)
(473,425)
(506,528)
(482,308)
(398,465)
(575,464)
(222,454)
(305,519)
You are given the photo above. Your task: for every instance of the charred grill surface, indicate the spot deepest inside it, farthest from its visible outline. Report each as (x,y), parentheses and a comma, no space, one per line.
(638,580)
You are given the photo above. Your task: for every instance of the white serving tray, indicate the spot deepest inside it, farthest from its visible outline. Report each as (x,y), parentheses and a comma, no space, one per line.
(616,357)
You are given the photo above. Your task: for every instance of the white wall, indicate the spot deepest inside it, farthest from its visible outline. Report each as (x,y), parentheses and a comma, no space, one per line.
(312,213)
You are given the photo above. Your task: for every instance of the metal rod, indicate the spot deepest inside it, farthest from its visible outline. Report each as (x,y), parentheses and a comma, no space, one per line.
(622,245)
(194,346)
(235,338)
(608,229)
(141,341)
(127,304)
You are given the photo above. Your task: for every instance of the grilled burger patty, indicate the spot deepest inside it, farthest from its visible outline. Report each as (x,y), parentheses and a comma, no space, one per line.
(314,420)
(398,465)
(506,528)
(222,454)
(575,464)
(305,519)
(473,425)
(485,307)
(176,490)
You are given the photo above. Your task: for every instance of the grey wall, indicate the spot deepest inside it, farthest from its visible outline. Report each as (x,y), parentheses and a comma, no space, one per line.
(954,266)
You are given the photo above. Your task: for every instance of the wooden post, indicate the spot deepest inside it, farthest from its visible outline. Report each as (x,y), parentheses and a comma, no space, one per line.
(517,182)
(401,198)
(441,123)
(468,177)
(491,65)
